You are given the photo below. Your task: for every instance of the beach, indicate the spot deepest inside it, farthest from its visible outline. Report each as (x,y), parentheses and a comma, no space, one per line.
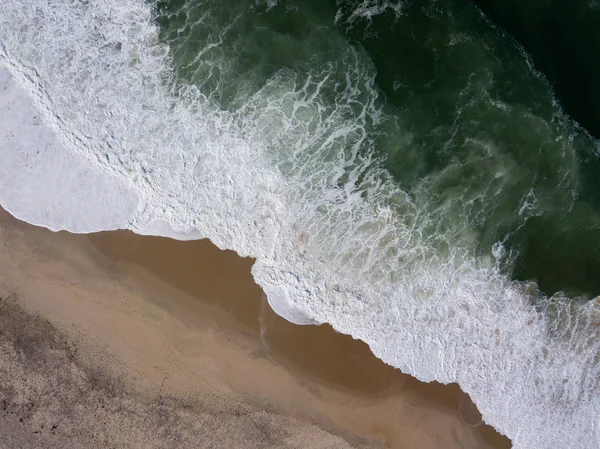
(172,344)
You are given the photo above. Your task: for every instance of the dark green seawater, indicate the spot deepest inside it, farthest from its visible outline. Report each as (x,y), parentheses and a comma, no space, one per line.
(421,175)
(563,39)
(477,117)
(449,92)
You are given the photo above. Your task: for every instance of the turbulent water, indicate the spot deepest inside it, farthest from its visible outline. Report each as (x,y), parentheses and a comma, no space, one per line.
(406,171)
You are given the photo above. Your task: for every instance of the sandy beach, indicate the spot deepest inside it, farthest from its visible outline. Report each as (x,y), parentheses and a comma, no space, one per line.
(120,340)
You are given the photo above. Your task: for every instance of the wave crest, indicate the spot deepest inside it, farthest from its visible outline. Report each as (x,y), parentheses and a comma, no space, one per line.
(288,176)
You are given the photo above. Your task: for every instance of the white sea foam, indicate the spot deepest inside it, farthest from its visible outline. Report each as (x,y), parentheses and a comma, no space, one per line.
(43,184)
(368,9)
(283,180)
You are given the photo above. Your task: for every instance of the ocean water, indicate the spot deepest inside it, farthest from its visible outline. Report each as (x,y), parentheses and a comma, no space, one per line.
(411,172)
(562,39)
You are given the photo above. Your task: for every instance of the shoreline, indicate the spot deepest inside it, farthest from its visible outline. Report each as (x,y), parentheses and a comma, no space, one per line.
(197,323)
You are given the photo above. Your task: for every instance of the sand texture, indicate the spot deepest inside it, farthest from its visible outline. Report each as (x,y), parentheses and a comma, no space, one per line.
(119,340)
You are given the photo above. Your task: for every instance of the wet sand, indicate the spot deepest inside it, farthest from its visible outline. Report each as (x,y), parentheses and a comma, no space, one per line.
(185,321)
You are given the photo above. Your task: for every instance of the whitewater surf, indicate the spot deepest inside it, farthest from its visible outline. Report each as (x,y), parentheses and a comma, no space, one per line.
(397,193)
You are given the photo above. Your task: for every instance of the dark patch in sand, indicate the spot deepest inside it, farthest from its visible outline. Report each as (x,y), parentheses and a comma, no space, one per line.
(49,399)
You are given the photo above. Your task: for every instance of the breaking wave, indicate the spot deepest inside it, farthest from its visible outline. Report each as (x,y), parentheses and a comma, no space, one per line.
(193,130)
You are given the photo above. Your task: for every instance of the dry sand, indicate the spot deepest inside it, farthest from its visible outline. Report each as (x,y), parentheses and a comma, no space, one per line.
(119,340)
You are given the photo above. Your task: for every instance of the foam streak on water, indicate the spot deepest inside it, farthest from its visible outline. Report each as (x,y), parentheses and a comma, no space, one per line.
(286,177)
